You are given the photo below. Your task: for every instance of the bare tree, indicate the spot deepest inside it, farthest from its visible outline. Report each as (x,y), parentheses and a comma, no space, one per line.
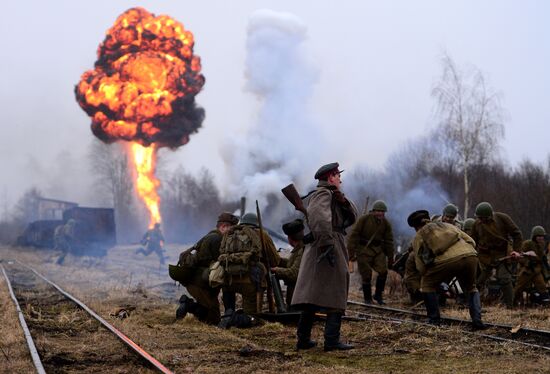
(471,119)
(26,208)
(114,185)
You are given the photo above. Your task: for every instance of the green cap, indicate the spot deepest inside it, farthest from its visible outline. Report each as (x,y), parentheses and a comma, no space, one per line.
(250,219)
(380,205)
(537,231)
(450,210)
(326,169)
(469,223)
(484,209)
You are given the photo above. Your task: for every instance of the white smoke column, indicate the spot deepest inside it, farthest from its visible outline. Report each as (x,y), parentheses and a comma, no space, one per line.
(281,146)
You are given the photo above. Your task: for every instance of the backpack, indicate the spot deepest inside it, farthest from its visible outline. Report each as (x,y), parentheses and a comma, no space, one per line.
(240,248)
(437,238)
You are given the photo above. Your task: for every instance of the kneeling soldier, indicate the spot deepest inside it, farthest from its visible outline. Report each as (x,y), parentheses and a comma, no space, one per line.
(199,258)
(530,266)
(442,251)
(288,268)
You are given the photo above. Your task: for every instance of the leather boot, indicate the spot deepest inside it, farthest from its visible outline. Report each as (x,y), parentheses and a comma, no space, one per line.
(432,307)
(187,305)
(474,302)
(225,322)
(228,299)
(367,293)
(379,290)
(305,324)
(332,333)
(507,295)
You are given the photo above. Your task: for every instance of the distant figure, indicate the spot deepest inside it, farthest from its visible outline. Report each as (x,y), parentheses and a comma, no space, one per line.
(64,238)
(154,241)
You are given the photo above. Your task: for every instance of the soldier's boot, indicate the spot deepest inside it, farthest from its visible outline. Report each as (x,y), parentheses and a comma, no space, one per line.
(225,322)
(544,298)
(332,333)
(229,300)
(199,311)
(508,295)
(379,290)
(187,305)
(367,293)
(241,320)
(474,302)
(305,324)
(432,308)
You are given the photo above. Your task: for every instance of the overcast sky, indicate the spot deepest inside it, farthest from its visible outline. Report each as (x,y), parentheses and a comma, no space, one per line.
(377,62)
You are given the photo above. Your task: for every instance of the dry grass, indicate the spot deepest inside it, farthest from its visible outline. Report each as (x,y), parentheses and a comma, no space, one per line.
(124,279)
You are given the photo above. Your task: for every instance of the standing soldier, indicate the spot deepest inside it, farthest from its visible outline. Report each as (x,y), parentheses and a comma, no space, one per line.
(442,251)
(371,244)
(199,258)
(245,264)
(288,268)
(154,241)
(323,279)
(450,212)
(533,253)
(493,232)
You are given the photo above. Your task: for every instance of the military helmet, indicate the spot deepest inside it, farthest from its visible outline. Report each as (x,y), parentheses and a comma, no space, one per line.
(537,231)
(250,219)
(450,210)
(380,205)
(484,209)
(469,224)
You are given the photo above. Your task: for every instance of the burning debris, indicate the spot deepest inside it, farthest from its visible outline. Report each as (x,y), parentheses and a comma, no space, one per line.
(142,90)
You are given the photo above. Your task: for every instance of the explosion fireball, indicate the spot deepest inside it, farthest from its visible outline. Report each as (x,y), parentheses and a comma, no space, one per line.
(142,90)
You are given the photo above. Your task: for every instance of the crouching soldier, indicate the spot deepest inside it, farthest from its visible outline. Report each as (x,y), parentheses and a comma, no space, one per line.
(531,261)
(442,251)
(288,268)
(197,260)
(244,262)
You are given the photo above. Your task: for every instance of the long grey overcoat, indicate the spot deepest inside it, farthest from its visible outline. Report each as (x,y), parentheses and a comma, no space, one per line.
(321,284)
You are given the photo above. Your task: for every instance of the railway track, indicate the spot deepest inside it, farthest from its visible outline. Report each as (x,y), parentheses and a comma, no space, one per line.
(538,339)
(65,335)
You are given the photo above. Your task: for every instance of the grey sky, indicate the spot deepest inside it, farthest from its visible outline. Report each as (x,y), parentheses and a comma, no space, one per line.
(377,63)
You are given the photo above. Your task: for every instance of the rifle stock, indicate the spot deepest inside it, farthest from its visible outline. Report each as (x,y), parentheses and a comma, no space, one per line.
(293,196)
(272,283)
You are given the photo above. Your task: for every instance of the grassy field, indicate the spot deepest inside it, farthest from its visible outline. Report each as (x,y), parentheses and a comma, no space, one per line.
(134,282)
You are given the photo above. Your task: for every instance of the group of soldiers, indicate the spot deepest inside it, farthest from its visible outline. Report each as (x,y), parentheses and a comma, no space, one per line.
(239,257)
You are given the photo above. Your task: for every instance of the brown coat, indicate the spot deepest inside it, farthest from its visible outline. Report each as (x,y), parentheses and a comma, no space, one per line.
(367,229)
(496,238)
(319,283)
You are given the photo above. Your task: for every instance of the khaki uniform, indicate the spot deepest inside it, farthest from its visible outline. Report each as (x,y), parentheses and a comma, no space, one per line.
(378,235)
(288,270)
(245,285)
(208,251)
(530,270)
(496,239)
(412,276)
(456,258)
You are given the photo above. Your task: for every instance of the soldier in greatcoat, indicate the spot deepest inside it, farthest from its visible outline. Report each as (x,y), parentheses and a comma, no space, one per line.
(323,279)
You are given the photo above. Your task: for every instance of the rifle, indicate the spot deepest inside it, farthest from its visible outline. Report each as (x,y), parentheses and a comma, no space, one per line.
(293,196)
(273,285)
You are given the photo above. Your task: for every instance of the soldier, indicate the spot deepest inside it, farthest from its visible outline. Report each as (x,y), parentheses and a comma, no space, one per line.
(450,212)
(323,279)
(288,268)
(442,251)
(493,232)
(371,244)
(154,241)
(245,267)
(468,226)
(64,239)
(530,261)
(199,257)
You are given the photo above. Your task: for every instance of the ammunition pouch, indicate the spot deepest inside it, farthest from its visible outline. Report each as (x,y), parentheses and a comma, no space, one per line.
(216,275)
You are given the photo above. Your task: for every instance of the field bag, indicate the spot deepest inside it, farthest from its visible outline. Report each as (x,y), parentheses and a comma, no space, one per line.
(240,248)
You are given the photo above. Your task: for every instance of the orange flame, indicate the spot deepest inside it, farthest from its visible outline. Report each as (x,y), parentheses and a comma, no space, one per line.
(146,183)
